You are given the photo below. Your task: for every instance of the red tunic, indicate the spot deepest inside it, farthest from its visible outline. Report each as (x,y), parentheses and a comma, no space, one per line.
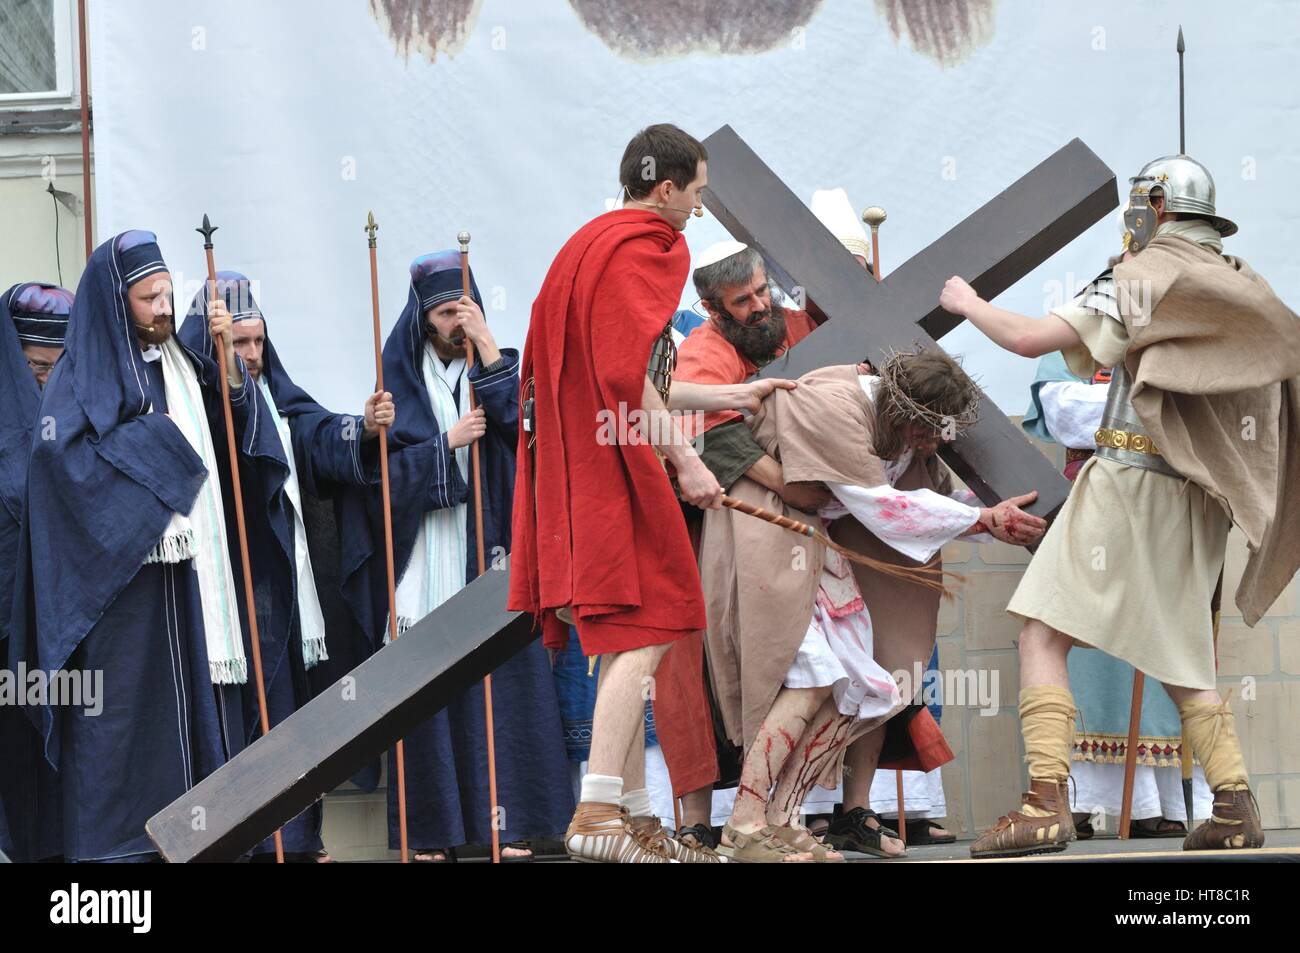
(605,534)
(706,357)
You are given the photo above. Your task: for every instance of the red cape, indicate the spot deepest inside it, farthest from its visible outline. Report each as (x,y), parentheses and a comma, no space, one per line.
(605,534)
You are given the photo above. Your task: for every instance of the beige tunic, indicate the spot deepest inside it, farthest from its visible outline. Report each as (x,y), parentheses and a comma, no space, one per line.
(1132,560)
(760,581)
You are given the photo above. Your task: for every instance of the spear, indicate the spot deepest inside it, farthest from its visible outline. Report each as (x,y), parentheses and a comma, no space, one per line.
(370,228)
(206,231)
(466,289)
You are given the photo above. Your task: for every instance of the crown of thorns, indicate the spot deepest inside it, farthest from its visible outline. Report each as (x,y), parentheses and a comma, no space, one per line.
(903,405)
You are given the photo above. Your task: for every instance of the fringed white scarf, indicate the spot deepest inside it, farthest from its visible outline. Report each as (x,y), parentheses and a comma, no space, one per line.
(200,535)
(436,570)
(311,620)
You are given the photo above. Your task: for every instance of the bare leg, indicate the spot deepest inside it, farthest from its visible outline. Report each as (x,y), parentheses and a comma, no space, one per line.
(697,807)
(1182,696)
(619,718)
(634,764)
(820,743)
(1043,653)
(860,763)
(776,738)
(860,768)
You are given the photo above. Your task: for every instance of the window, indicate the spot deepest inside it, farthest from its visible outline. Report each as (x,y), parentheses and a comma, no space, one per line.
(38,53)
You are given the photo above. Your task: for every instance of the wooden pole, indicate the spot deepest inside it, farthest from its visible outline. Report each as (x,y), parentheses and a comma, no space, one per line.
(249,602)
(1130,754)
(874,215)
(370,230)
(85,130)
(467,291)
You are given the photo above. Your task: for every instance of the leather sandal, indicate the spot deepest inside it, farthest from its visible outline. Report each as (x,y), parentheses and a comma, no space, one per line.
(759,847)
(603,834)
(803,841)
(852,832)
(652,829)
(1233,824)
(1155,827)
(1020,835)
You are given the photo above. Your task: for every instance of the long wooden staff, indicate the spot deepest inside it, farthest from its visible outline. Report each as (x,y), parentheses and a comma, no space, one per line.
(370,228)
(85,128)
(874,216)
(467,291)
(206,231)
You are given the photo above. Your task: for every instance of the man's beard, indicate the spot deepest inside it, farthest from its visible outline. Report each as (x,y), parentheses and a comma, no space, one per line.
(157,333)
(759,343)
(446,350)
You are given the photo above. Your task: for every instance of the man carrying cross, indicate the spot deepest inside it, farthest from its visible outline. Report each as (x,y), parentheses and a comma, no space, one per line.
(1183,452)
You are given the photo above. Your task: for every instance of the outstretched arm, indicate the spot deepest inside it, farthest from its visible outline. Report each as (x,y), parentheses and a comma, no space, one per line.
(1017,333)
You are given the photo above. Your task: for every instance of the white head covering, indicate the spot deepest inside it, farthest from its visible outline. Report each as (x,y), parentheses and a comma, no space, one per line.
(832,208)
(719,251)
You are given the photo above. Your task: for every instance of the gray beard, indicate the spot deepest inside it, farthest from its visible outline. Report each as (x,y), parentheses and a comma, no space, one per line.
(758,344)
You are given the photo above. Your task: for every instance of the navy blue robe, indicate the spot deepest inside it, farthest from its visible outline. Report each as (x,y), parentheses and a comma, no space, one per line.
(446,757)
(328,454)
(100,494)
(19,398)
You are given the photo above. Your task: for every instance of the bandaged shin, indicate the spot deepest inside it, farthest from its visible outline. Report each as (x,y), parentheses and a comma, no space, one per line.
(1047,724)
(601,789)
(637,802)
(1211,730)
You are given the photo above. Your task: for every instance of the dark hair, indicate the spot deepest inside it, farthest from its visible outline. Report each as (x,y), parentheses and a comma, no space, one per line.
(931,378)
(733,270)
(657,153)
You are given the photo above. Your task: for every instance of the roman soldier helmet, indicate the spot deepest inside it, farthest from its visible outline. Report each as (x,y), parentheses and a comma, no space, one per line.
(1185,184)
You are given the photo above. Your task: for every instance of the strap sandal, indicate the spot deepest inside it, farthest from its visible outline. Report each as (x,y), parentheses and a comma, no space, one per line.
(1155,827)
(803,841)
(1233,825)
(604,834)
(921,832)
(852,832)
(1020,835)
(759,847)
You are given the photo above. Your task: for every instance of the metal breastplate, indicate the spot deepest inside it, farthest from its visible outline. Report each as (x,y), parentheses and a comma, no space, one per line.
(1122,436)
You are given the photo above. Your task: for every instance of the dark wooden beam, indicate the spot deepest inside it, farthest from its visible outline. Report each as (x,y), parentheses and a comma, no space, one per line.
(992,249)
(329,739)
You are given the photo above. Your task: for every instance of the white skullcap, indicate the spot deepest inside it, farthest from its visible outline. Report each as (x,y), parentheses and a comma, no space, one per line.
(832,208)
(717,252)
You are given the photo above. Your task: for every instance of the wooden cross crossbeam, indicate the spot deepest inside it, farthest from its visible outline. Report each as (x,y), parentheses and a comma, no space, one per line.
(993,248)
(337,733)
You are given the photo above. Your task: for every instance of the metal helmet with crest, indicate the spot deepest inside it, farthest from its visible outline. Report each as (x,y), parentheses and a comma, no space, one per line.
(1185,184)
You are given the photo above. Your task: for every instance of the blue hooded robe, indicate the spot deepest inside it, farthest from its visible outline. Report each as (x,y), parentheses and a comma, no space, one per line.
(30,313)
(328,453)
(104,479)
(446,757)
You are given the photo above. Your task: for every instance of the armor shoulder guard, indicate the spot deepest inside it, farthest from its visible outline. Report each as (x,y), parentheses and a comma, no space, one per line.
(1100,295)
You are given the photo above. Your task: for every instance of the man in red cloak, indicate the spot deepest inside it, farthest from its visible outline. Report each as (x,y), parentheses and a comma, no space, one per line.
(598,533)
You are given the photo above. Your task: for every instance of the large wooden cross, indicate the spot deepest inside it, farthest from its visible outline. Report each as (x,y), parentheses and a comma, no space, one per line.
(337,733)
(864,319)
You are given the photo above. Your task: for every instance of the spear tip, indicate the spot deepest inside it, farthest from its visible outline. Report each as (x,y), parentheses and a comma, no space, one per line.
(206,230)
(1182,47)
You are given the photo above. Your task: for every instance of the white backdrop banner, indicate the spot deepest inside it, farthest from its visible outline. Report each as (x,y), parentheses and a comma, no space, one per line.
(288,121)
